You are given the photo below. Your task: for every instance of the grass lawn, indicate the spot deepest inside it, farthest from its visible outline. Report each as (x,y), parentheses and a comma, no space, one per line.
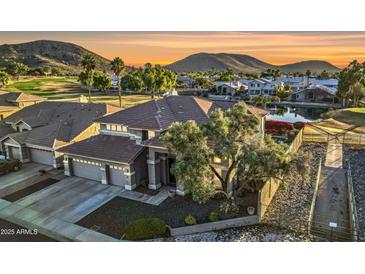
(69,89)
(340,120)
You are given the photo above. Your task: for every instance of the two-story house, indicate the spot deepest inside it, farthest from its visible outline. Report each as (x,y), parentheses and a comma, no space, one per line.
(127,151)
(261,87)
(35,132)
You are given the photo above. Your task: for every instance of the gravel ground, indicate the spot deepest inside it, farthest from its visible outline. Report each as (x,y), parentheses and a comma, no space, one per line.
(291,204)
(255,233)
(357,161)
(114,215)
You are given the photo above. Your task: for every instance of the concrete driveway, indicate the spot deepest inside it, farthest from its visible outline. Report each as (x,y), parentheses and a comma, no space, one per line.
(70,199)
(14,181)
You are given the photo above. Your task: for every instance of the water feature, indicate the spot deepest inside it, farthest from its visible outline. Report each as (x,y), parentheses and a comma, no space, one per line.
(294,114)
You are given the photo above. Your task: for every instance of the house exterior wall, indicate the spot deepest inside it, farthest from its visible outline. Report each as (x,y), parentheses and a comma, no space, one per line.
(313,95)
(140,167)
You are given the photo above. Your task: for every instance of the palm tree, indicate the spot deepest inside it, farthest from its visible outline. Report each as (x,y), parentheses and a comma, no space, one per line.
(89,64)
(117,66)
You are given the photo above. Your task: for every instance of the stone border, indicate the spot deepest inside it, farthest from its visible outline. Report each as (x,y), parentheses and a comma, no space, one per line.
(213,226)
(314,199)
(352,205)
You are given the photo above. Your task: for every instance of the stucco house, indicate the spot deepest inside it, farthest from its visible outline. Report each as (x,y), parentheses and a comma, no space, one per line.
(315,94)
(35,132)
(127,151)
(11,102)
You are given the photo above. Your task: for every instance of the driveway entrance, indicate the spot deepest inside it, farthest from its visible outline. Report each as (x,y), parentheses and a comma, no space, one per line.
(70,199)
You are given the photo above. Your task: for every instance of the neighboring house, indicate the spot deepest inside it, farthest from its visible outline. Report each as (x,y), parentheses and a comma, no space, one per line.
(11,102)
(296,83)
(261,87)
(315,94)
(35,132)
(127,151)
(330,83)
(230,88)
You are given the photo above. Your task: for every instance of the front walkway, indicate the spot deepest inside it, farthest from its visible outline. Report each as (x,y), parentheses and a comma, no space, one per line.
(145,198)
(331,212)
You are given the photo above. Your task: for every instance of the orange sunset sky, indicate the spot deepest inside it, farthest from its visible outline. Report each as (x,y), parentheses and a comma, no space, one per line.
(137,48)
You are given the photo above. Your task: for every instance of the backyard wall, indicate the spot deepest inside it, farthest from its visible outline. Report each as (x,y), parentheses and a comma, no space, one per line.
(267,192)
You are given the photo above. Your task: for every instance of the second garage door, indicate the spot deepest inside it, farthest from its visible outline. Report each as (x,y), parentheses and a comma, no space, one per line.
(41,156)
(116,176)
(88,171)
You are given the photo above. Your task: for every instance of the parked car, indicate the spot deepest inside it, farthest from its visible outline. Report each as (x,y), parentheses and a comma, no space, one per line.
(10,165)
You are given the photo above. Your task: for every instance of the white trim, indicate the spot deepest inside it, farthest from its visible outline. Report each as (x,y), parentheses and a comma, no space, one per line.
(153,162)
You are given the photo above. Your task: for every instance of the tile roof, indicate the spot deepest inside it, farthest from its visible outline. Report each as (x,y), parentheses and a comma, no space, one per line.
(8,98)
(118,149)
(57,121)
(5,129)
(160,114)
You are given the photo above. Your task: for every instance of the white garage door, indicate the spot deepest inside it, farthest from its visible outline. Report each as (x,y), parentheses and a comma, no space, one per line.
(14,153)
(87,171)
(41,156)
(116,176)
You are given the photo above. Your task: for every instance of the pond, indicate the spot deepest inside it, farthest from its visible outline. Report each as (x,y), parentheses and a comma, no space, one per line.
(293,114)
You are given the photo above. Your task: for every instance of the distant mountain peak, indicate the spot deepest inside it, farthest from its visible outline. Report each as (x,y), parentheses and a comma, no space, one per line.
(55,54)
(243,63)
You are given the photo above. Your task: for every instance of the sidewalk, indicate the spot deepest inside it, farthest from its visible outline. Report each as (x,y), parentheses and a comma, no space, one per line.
(332,197)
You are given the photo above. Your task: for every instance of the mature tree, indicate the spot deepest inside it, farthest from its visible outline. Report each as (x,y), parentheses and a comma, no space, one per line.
(203,82)
(265,159)
(149,79)
(4,78)
(16,69)
(261,101)
(349,76)
(283,91)
(101,81)
(226,132)
(356,92)
(118,67)
(230,136)
(325,75)
(227,75)
(157,79)
(132,81)
(89,64)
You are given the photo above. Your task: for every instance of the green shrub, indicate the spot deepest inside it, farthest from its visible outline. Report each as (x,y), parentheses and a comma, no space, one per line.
(213,216)
(190,220)
(146,228)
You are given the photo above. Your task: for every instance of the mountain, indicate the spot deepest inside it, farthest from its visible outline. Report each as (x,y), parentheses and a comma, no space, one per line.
(54,54)
(312,65)
(243,63)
